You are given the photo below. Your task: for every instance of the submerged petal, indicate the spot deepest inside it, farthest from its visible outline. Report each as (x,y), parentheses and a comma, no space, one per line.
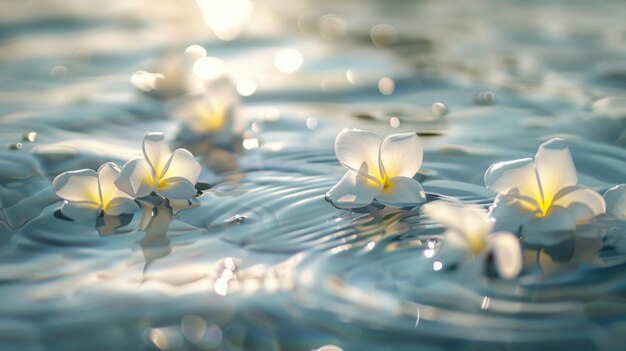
(355,147)
(584,203)
(557,226)
(517,174)
(156,151)
(176,188)
(81,185)
(401,155)
(555,168)
(401,192)
(353,191)
(121,205)
(136,178)
(507,254)
(182,164)
(81,210)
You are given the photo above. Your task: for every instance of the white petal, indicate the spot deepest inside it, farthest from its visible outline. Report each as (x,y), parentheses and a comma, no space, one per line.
(120,205)
(584,203)
(401,155)
(471,223)
(81,185)
(512,211)
(615,199)
(453,248)
(135,178)
(106,178)
(507,254)
(402,192)
(355,147)
(455,239)
(156,151)
(353,191)
(476,225)
(476,220)
(176,188)
(555,168)
(81,211)
(208,112)
(107,173)
(182,164)
(517,174)
(447,214)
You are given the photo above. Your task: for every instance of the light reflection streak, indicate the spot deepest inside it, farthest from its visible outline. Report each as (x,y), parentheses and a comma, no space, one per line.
(417,318)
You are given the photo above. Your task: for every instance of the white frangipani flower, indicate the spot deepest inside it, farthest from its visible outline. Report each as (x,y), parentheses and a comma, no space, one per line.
(469,229)
(208,112)
(87,193)
(378,168)
(172,175)
(534,190)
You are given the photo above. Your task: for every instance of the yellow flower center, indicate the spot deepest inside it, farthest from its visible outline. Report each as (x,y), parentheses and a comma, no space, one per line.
(213,118)
(544,204)
(385,182)
(475,243)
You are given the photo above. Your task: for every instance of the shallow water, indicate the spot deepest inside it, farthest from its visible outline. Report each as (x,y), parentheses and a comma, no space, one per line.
(260,261)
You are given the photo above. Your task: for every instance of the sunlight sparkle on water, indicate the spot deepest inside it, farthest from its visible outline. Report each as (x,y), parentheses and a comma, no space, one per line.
(209,67)
(251,143)
(195,52)
(288,60)
(226,18)
(394,122)
(350,76)
(332,27)
(386,86)
(246,87)
(311,122)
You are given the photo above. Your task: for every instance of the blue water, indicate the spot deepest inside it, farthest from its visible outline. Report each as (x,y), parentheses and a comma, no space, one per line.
(260,260)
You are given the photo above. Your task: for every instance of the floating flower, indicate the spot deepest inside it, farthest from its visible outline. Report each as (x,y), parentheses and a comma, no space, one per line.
(469,229)
(87,193)
(207,112)
(171,175)
(378,168)
(542,193)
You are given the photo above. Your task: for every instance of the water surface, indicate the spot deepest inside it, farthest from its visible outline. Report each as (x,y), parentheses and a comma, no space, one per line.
(260,261)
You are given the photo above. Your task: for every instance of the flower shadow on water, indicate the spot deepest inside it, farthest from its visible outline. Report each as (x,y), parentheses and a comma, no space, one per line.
(567,255)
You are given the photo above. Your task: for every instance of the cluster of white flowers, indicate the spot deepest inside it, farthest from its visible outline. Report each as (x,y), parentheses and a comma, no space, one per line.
(533,195)
(171,175)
